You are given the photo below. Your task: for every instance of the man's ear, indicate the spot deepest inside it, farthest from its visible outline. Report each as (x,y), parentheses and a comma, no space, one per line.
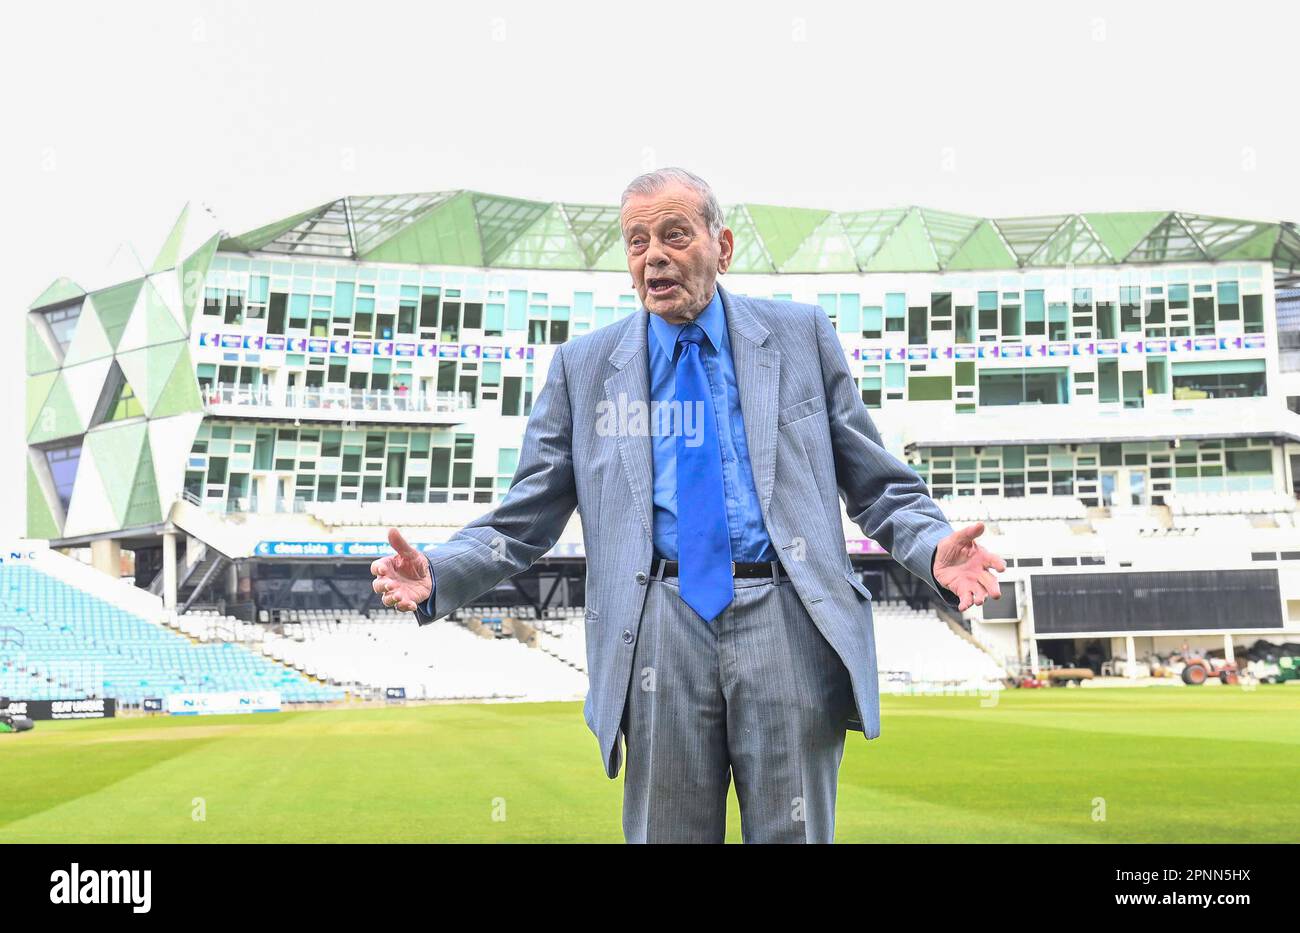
(726,249)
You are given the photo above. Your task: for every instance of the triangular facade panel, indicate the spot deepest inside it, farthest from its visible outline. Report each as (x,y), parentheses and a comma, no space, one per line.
(58,417)
(143,507)
(167,285)
(86,382)
(124,266)
(116,451)
(89,340)
(150,322)
(38,390)
(192,274)
(117,400)
(57,292)
(170,443)
(41,520)
(150,369)
(180,393)
(40,357)
(90,510)
(170,252)
(114,306)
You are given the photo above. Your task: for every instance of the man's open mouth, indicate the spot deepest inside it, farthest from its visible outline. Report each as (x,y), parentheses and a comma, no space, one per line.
(661,287)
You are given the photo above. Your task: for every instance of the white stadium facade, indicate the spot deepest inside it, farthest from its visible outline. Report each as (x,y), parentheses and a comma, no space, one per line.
(236,423)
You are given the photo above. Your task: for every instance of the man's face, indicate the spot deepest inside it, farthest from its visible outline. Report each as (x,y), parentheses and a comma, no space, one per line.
(673,260)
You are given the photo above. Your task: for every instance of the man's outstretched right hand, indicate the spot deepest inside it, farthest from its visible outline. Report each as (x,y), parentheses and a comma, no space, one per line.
(402,581)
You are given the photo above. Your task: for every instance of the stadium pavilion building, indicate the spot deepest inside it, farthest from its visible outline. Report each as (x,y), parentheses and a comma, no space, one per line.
(1115,394)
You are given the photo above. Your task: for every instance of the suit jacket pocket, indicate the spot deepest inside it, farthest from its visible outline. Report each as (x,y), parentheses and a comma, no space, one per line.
(857,584)
(809,406)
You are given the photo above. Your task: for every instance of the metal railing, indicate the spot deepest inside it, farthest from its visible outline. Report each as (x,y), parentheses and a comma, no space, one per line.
(337,398)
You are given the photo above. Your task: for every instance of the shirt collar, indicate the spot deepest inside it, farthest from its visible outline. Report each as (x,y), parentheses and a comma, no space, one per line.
(712,319)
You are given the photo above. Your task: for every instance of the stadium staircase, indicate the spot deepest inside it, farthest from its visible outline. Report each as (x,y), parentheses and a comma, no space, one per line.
(193,580)
(70,636)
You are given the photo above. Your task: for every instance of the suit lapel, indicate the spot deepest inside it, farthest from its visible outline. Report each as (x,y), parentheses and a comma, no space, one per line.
(627,391)
(758,378)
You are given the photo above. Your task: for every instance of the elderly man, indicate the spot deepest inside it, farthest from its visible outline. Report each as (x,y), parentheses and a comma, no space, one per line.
(728,636)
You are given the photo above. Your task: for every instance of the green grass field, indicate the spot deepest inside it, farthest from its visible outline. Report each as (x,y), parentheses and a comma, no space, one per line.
(1171,764)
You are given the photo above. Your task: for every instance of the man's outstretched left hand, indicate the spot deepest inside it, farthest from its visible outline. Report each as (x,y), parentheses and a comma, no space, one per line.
(964,568)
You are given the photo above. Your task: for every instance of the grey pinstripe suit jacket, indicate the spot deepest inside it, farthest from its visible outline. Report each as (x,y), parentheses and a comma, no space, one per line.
(811,441)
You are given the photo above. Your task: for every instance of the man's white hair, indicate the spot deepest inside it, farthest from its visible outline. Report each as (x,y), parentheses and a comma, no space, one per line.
(660,178)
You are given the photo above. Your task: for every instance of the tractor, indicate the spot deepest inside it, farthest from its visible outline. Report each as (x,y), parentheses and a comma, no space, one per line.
(1197,669)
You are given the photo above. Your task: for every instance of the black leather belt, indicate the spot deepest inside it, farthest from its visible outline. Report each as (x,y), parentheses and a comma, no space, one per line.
(668,568)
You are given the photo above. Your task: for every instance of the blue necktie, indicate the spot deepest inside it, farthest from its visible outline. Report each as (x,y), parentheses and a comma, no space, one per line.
(703,539)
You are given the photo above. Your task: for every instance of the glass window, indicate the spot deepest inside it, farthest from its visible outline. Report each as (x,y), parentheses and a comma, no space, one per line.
(1219,379)
(918,330)
(1037,386)
(1133,388)
(1108,380)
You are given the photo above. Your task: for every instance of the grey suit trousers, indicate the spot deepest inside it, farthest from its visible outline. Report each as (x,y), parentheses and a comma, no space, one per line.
(757,695)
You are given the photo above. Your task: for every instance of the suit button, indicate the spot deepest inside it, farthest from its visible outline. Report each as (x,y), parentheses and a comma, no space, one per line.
(627,637)
(641,577)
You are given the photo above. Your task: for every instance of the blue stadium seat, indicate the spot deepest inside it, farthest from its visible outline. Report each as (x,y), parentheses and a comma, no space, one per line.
(60,642)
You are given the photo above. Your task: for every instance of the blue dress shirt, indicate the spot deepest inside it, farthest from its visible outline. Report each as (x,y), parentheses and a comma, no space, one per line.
(749,540)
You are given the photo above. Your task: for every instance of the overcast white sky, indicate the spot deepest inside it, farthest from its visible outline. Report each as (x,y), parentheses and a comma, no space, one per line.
(119,113)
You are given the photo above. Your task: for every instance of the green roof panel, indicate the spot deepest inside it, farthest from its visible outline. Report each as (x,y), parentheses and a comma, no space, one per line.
(983,249)
(947,232)
(256,239)
(472,228)
(750,254)
(1122,231)
(908,248)
(784,229)
(547,244)
(826,249)
(446,235)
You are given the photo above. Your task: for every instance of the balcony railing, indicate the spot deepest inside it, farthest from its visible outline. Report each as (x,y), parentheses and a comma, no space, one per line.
(339,399)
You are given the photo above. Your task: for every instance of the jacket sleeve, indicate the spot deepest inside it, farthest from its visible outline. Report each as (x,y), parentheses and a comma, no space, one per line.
(526,523)
(884,496)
